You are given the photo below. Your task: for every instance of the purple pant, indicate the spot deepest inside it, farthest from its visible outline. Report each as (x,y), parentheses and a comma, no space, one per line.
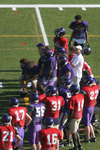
(87,115)
(33,134)
(21,134)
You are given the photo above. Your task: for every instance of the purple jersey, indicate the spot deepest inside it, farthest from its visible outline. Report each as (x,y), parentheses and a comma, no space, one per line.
(47,67)
(66,73)
(36,124)
(37,113)
(48,71)
(53,71)
(79,29)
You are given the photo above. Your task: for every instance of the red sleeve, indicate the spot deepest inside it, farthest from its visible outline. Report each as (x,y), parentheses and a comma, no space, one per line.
(87,68)
(65,43)
(42,97)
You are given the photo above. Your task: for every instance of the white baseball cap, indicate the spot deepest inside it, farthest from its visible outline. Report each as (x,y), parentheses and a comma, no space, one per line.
(78,47)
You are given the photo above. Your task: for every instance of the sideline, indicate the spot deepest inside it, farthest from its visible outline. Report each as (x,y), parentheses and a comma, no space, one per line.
(50,6)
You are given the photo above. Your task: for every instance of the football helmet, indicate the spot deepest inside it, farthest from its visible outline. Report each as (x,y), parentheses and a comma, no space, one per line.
(86,49)
(90,80)
(74,89)
(65,92)
(63,60)
(6,118)
(60,32)
(40,45)
(34,97)
(51,90)
(14,101)
(49,121)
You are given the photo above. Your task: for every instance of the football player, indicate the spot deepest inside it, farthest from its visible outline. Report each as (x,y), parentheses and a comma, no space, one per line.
(91,91)
(53,104)
(75,115)
(65,71)
(20,118)
(50,136)
(79,31)
(37,113)
(8,133)
(47,65)
(59,40)
(87,71)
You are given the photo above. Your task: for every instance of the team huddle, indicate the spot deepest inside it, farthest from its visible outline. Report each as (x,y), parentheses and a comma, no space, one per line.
(62,94)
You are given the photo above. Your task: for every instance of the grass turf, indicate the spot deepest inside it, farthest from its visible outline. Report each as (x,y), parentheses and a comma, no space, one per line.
(19,33)
(49,2)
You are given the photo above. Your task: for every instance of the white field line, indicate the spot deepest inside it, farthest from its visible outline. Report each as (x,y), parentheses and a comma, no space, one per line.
(41,26)
(51,6)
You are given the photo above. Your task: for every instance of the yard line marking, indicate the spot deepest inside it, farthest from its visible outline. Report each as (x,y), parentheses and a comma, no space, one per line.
(50,5)
(36,28)
(41,26)
(39,36)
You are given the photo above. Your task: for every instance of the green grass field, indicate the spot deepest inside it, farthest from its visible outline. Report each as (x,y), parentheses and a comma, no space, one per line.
(20,32)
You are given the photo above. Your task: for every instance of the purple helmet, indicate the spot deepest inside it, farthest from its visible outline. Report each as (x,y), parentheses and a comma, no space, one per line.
(60,32)
(51,90)
(14,101)
(74,89)
(49,121)
(6,118)
(34,97)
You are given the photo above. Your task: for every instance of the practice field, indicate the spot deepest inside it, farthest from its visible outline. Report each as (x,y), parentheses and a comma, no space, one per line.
(19,34)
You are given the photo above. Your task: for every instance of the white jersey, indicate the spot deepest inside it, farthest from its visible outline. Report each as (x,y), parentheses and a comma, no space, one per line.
(78,62)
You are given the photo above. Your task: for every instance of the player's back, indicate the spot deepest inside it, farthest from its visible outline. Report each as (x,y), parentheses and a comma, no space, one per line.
(18,115)
(53,106)
(7,134)
(38,110)
(91,95)
(49,138)
(76,103)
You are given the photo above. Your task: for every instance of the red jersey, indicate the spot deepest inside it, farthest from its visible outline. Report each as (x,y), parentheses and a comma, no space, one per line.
(53,106)
(49,138)
(91,95)
(18,115)
(7,134)
(76,104)
(61,42)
